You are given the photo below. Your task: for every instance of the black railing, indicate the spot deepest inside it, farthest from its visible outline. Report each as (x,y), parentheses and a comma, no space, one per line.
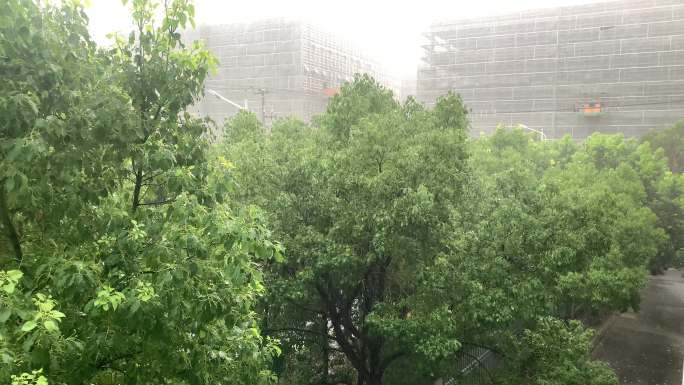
(474,366)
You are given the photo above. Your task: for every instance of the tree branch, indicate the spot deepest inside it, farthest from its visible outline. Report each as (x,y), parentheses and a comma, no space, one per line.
(156,203)
(340,336)
(152,176)
(105,364)
(136,189)
(305,308)
(297,330)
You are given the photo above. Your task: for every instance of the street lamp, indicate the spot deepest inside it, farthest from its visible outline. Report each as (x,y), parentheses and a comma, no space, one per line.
(232,103)
(541,133)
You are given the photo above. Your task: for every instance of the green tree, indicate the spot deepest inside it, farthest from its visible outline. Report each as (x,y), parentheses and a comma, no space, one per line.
(669,206)
(661,188)
(408,245)
(549,237)
(671,140)
(124,262)
(362,205)
(243,125)
(358,99)
(556,354)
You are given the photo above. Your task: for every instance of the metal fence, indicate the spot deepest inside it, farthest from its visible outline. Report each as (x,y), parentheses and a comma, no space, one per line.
(474,366)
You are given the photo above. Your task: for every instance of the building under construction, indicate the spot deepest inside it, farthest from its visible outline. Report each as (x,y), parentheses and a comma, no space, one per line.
(608,67)
(278,68)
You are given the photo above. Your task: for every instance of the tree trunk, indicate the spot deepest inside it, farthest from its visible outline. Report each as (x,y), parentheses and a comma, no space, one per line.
(136,189)
(375,379)
(360,377)
(370,376)
(326,353)
(6,218)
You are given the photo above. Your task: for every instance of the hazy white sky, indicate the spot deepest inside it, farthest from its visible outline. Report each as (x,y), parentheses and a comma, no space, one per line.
(389,30)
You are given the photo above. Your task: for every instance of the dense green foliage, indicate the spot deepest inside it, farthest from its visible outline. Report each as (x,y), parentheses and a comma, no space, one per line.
(671,140)
(121,261)
(666,192)
(361,207)
(407,243)
(133,251)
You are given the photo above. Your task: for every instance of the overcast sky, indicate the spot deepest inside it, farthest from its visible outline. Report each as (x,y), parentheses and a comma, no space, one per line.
(389,30)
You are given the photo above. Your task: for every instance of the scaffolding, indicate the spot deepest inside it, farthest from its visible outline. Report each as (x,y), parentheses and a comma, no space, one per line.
(287,67)
(610,67)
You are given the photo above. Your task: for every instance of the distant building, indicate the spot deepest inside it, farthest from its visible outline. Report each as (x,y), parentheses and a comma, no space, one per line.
(281,68)
(608,67)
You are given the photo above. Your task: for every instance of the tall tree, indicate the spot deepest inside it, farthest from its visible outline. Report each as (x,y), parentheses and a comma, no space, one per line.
(404,251)
(126,264)
(671,140)
(362,206)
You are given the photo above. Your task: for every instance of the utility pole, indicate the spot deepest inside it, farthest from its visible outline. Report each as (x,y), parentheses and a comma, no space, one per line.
(271,118)
(262,92)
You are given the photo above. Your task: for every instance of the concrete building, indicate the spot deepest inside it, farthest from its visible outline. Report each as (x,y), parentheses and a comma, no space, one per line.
(609,67)
(279,67)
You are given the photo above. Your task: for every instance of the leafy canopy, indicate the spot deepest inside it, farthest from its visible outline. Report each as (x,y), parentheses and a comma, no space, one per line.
(121,259)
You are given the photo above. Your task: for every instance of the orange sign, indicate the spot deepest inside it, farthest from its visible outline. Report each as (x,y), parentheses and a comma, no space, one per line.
(330,92)
(591,108)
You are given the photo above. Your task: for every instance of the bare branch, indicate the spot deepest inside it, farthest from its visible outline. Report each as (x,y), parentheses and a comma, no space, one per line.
(157,203)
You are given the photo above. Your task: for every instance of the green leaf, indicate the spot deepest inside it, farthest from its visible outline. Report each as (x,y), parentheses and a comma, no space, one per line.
(9,288)
(135,305)
(5,313)
(51,326)
(28,326)
(9,184)
(57,314)
(15,275)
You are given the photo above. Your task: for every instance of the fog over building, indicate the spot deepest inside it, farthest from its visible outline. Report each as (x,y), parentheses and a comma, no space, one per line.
(608,67)
(279,67)
(408,87)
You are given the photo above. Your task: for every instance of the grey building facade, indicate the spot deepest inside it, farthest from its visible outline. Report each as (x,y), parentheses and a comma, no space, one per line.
(603,67)
(279,67)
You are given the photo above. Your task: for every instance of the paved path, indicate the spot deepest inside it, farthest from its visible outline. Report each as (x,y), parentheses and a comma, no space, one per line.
(647,348)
